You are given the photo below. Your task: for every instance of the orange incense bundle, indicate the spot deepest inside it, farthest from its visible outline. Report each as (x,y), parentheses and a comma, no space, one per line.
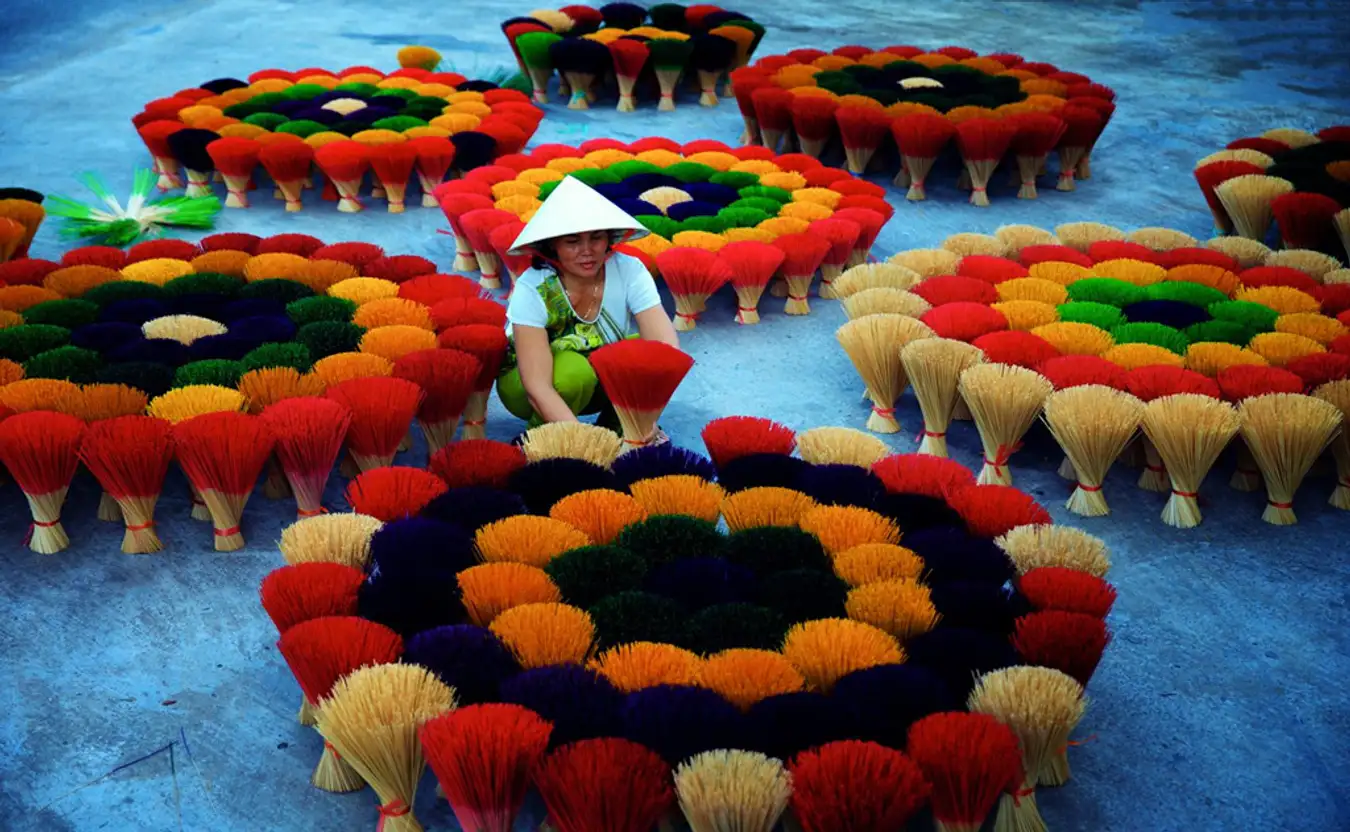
(345,163)
(1082,126)
(629,57)
(813,122)
(156,137)
(40,449)
(842,235)
(235,158)
(455,206)
(862,129)
(382,409)
(773,111)
(752,265)
(222,455)
(129,456)
(501,239)
(692,274)
(640,377)
(802,255)
(393,492)
(308,433)
(921,138)
(393,165)
(434,156)
(982,142)
(488,344)
(869,224)
(1037,134)
(478,227)
(447,378)
(970,760)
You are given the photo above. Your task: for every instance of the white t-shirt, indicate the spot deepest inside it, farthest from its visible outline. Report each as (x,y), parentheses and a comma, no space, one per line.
(629,290)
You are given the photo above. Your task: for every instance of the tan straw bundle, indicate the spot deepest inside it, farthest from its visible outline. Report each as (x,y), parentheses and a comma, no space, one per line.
(934,367)
(1034,546)
(1337,393)
(1286,432)
(840,446)
(1092,424)
(874,344)
(573,440)
(1189,432)
(1005,400)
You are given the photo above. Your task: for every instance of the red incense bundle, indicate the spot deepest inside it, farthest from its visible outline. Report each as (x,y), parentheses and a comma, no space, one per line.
(478,226)
(609,784)
(308,433)
(752,265)
(319,651)
(1305,220)
(802,256)
(222,455)
(501,239)
(353,253)
(483,462)
(640,377)
(629,57)
(1070,642)
(393,165)
(463,311)
(732,437)
(692,275)
(1037,134)
(434,156)
(1154,382)
(382,409)
(842,235)
(921,138)
(1082,126)
(970,760)
(345,163)
(454,206)
(482,756)
(855,785)
(40,449)
(813,122)
(431,289)
(869,224)
(488,344)
(393,492)
(1214,174)
(303,592)
(399,268)
(773,111)
(156,134)
(235,158)
(982,142)
(744,82)
(129,456)
(862,129)
(447,378)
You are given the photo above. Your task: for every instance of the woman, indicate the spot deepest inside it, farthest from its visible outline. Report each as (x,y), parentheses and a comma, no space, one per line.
(579,296)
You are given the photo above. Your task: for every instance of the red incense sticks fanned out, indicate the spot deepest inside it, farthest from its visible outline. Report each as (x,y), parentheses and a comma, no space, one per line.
(640,378)
(129,456)
(447,377)
(382,409)
(921,138)
(488,344)
(393,492)
(692,274)
(393,165)
(435,155)
(752,265)
(235,158)
(222,455)
(40,449)
(802,256)
(732,437)
(345,163)
(983,141)
(309,432)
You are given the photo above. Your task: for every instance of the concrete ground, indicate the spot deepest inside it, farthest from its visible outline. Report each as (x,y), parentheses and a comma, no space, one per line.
(145,692)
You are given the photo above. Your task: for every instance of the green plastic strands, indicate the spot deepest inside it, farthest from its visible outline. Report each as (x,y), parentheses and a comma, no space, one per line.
(399,123)
(69,363)
(63,313)
(534,48)
(585,576)
(638,616)
(204,283)
(267,100)
(712,225)
(690,172)
(390,94)
(1228,332)
(278,289)
(669,54)
(123,290)
(295,356)
(1107,290)
(548,188)
(594,176)
(735,179)
(304,128)
(303,92)
(267,121)
(669,537)
(771,207)
(728,626)
(1100,315)
(320,308)
(1195,294)
(357,88)
(779,195)
(325,338)
(631,167)
(839,83)
(1253,317)
(1159,335)
(218,371)
(743,217)
(426,101)
(658,225)
(20,343)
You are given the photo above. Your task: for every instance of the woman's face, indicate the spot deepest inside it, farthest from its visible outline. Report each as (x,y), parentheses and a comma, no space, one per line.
(582,254)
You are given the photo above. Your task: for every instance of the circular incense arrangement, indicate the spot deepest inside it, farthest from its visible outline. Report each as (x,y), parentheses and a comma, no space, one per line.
(646,52)
(409,124)
(903,108)
(1104,336)
(1296,181)
(864,612)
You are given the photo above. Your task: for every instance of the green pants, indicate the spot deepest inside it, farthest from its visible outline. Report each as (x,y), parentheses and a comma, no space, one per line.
(573,378)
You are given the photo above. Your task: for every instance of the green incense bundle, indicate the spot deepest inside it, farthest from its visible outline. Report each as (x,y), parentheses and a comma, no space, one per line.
(668,60)
(143,216)
(534,52)
(1159,335)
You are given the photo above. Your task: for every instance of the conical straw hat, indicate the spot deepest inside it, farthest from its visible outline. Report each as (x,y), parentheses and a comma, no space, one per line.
(572,208)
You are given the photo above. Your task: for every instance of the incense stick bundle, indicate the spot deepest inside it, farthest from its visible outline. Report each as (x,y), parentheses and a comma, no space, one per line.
(842,235)
(581,62)
(129,456)
(393,164)
(668,59)
(721,791)
(692,275)
(534,49)
(934,367)
(289,164)
(640,377)
(40,449)
(983,142)
(802,256)
(1189,431)
(1037,134)
(862,130)
(189,149)
(1286,432)
(874,343)
(1248,199)
(447,378)
(752,265)
(488,344)
(712,57)
(1004,400)
(222,455)
(235,158)
(345,163)
(921,138)
(1082,126)
(970,760)
(1092,424)
(309,433)
(455,206)
(381,410)
(1337,394)
(629,57)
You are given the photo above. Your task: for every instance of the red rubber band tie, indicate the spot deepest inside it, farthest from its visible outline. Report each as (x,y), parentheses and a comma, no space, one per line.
(1274,504)
(1082,487)
(887,412)
(796,297)
(396,808)
(302,513)
(142,527)
(37,524)
(1191,494)
(232,530)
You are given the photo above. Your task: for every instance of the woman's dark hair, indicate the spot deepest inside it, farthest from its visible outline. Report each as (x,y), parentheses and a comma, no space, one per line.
(546,249)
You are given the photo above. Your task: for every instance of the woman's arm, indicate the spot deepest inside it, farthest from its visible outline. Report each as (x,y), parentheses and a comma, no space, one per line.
(535,360)
(654,325)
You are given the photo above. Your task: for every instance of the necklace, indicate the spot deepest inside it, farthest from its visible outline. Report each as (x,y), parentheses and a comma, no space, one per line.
(586,298)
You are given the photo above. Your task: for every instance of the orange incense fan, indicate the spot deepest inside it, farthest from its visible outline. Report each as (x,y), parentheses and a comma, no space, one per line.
(289,164)
(309,433)
(692,274)
(752,265)
(478,227)
(455,206)
(129,456)
(345,164)
(447,377)
(640,377)
(862,129)
(222,455)
(41,450)
(802,255)
(382,409)
(393,165)
(434,156)
(235,158)
(488,344)
(921,138)
(842,235)
(982,142)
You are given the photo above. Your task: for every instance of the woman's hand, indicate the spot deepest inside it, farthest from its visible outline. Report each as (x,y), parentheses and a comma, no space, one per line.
(654,325)
(535,360)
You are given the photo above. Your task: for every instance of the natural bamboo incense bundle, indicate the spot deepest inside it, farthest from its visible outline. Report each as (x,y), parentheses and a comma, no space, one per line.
(692,274)
(1092,424)
(874,344)
(640,377)
(488,344)
(752,265)
(1041,706)
(345,163)
(1004,400)
(235,158)
(802,256)
(840,446)
(1189,431)
(983,142)
(40,449)
(732,791)
(381,410)
(372,718)
(1286,433)
(970,760)
(885,301)
(447,378)
(130,455)
(934,367)
(629,57)
(222,455)
(572,440)
(921,138)
(1337,394)
(852,784)
(309,433)
(1248,199)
